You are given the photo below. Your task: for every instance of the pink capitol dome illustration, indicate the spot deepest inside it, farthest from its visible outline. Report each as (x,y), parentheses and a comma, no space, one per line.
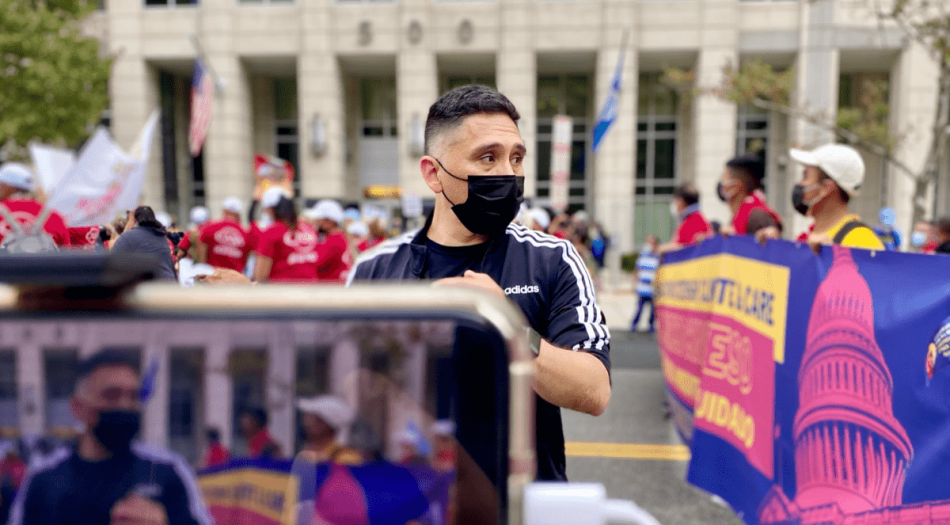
(851,453)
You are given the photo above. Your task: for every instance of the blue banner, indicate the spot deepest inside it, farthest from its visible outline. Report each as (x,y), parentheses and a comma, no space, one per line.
(812,388)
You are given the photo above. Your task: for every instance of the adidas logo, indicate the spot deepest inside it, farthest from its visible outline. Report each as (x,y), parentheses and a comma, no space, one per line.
(518,290)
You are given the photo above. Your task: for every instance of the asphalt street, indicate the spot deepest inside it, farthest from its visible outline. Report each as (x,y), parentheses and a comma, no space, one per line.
(632,449)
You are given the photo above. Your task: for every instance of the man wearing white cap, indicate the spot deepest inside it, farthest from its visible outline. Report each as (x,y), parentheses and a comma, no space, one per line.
(224,243)
(833,175)
(323,418)
(538,219)
(333,252)
(197,218)
(16,182)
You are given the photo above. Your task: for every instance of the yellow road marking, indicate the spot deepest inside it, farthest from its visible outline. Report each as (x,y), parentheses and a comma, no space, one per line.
(628,451)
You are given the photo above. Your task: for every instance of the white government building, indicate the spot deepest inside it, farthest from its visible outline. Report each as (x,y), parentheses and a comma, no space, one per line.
(341,88)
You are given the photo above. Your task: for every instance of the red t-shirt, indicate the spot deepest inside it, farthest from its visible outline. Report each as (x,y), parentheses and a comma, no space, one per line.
(227,244)
(25,211)
(261,441)
(367,244)
(753,202)
(216,455)
(692,229)
(185,243)
(294,253)
(333,258)
(83,237)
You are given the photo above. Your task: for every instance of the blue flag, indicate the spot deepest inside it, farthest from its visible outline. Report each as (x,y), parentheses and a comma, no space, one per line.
(148,380)
(609,112)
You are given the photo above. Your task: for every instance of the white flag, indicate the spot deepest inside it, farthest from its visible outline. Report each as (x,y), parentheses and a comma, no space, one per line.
(105,181)
(52,164)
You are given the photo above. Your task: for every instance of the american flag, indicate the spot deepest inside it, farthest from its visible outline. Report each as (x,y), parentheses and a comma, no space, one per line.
(202,95)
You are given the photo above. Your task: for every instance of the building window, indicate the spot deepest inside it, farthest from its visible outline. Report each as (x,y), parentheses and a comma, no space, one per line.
(564,95)
(170,3)
(313,379)
(752,134)
(9,415)
(59,366)
(379,133)
(286,128)
(248,371)
(185,432)
(379,107)
(656,157)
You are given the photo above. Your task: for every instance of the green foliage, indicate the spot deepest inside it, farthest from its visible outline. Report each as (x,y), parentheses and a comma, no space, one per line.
(757,81)
(53,83)
(628,262)
(869,118)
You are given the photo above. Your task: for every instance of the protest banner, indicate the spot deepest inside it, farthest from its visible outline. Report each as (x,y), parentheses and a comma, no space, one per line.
(105,180)
(52,164)
(813,388)
(272,171)
(251,492)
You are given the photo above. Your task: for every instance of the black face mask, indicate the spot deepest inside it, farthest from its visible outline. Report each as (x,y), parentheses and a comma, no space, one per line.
(493,202)
(798,199)
(720,193)
(116,428)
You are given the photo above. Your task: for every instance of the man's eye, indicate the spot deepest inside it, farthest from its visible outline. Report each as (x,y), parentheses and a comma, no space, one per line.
(517,160)
(489,158)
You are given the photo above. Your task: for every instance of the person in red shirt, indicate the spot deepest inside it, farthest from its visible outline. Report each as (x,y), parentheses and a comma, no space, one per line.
(16,182)
(693,226)
(224,243)
(84,237)
(217,453)
(198,217)
(741,188)
(333,252)
(259,441)
(287,250)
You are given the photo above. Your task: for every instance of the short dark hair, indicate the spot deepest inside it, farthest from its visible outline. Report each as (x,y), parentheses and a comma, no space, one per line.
(749,169)
(257,414)
(286,212)
(843,195)
(688,193)
(144,216)
(943,225)
(461,102)
(213,434)
(104,358)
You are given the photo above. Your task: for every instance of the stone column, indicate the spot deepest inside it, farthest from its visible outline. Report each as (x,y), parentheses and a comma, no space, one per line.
(615,160)
(417,87)
(517,76)
(320,95)
(914,88)
(715,119)
(31,388)
(228,150)
(219,390)
(281,385)
(816,87)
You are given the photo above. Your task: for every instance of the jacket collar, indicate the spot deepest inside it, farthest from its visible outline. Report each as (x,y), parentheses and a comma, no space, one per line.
(492,263)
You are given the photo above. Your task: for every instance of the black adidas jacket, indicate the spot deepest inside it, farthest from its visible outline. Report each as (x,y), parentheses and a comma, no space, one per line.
(543,275)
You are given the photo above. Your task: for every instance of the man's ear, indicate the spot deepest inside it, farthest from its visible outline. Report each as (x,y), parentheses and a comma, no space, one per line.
(430,173)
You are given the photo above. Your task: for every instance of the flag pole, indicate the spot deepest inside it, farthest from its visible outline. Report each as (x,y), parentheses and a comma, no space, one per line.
(218,81)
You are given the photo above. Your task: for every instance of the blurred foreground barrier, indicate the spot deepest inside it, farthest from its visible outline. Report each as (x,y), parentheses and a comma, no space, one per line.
(811,388)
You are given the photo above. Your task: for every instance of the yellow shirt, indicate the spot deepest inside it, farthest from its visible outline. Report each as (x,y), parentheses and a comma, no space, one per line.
(858,237)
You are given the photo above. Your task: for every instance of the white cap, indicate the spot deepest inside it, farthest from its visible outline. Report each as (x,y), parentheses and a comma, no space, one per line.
(328,209)
(540,216)
(352,213)
(443,427)
(272,196)
(331,409)
(17,176)
(233,205)
(357,229)
(164,219)
(581,216)
(199,215)
(842,163)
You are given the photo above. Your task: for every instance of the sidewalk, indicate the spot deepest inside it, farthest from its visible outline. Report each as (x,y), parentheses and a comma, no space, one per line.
(618,303)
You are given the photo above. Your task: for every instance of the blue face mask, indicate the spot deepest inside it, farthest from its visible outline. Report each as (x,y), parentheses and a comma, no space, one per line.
(918,239)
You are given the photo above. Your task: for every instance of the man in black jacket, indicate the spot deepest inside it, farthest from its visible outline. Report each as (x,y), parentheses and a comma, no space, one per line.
(105,478)
(473,163)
